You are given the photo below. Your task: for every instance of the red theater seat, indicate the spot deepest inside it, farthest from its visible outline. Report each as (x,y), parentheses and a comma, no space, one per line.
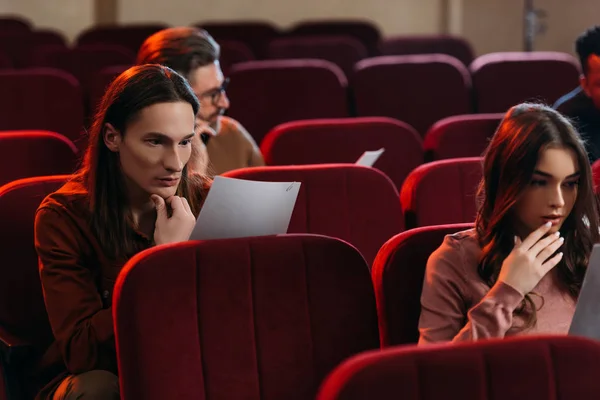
(532,368)
(417,89)
(398,272)
(356,204)
(502,80)
(35,153)
(344,140)
(441,192)
(460,136)
(456,47)
(254,34)
(130,36)
(264,94)
(254,318)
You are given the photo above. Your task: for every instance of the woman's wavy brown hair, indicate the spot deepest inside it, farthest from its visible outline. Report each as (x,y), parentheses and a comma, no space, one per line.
(508,166)
(131,92)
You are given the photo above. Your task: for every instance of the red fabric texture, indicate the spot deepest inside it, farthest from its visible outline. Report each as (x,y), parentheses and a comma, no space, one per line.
(442,192)
(15,24)
(416,89)
(356,204)
(283,91)
(233,52)
(254,34)
(596,175)
(40,98)
(531,367)
(100,83)
(253,318)
(83,62)
(3,385)
(460,136)
(456,47)
(343,51)
(502,80)
(344,141)
(130,36)
(398,272)
(363,30)
(25,154)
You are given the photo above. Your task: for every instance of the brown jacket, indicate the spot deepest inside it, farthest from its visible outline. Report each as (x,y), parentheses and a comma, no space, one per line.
(77,280)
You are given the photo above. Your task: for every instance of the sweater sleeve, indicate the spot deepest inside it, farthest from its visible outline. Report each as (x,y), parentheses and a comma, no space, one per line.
(79,322)
(255,157)
(445,315)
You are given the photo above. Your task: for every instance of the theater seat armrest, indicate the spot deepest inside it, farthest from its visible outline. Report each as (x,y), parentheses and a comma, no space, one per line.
(12,347)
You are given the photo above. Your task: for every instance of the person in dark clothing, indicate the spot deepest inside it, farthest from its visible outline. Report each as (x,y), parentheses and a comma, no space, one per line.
(582,104)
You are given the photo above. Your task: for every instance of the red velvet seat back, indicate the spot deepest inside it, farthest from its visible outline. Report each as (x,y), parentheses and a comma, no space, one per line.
(22,310)
(39,98)
(264,94)
(356,204)
(456,47)
(100,82)
(442,192)
(417,89)
(398,272)
(365,31)
(130,36)
(596,175)
(15,24)
(254,34)
(344,141)
(502,80)
(533,368)
(343,51)
(254,318)
(460,136)
(233,52)
(35,153)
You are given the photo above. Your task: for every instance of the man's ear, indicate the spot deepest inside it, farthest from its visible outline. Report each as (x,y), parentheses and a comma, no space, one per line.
(112,138)
(584,84)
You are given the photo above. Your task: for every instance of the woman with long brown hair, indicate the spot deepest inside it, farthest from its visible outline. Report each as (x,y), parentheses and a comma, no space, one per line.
(133,191)
(521,269)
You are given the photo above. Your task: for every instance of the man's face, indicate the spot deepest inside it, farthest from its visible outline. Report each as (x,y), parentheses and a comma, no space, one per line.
(207,83)
(590,82)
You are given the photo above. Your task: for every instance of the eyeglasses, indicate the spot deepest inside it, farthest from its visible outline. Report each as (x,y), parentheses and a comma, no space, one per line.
(215,94)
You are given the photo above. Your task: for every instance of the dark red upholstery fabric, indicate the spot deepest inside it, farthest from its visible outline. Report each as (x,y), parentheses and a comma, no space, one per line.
(502,80)
(254,34)
(35,153)
(460,136)
(40,98)
(441,192)
(264,94)
(22,310)
(3,385)
(356,204)
(83,62)
(417,89)
(343,51)
(344,141)
(19,47)
(48,37)
(129,36)
(14,24)
(398,272)
(596,175)
(456,47)
(100,83)
(532,368)
(233,52)
(253,318)
(365,31)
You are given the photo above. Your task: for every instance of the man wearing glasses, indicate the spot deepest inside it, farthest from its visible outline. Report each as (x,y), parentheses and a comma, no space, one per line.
(195,54)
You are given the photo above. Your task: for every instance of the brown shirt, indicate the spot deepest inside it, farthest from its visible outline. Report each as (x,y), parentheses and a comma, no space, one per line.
(77,280)
(457,305)
(232,148)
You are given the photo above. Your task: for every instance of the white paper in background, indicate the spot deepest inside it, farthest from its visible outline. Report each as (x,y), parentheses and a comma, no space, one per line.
(370,157)
(241,208)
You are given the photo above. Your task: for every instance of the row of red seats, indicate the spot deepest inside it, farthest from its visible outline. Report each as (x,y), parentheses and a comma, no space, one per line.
(419,90)
(308,292)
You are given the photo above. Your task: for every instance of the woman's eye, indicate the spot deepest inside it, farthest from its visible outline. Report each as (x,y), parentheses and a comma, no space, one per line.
(154,142)
(572,184)
(186,142)
(537,182)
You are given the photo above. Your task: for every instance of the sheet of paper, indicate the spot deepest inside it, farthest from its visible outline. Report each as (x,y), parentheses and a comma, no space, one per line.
(586,320)
(241,208)
(369,158)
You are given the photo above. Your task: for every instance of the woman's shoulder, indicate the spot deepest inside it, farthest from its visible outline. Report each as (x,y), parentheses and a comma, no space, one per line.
(459,253)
